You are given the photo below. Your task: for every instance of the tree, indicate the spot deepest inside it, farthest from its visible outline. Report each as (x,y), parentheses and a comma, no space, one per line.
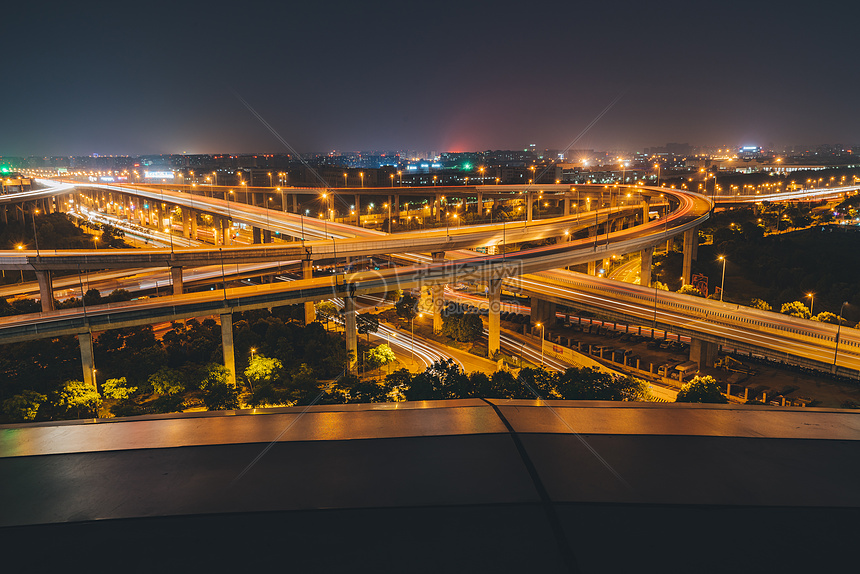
(407,306)
(760,304)
(304,387)
(828,317)
(218,393)
(263,371)
(117,389)
(379,356)
(795,309)
(166,381)
(701,389)
(24,406)
(463,327)
(366,323)
(592,384)
(398,382)
(690,290)
(326,310)
(75,395)
(444,379)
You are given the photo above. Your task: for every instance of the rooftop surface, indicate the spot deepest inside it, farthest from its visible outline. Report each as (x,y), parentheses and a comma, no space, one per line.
(460,485)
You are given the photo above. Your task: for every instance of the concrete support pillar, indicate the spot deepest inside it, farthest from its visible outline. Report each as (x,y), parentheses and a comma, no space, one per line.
(85,340)
(438,294)
(358,210)
(703,353)
(176,280)
(494,318)
(256,233)
(529,200)
(46,290)
(227,346)
(690,238)
(566,206)
(645,267)
(295,197)
(542,312)
(193,224)
(437,207)
(308,273)
(592,267)
(395,209)
(646,209)
(186,223)
(267,236)
(480,203)
(350,331)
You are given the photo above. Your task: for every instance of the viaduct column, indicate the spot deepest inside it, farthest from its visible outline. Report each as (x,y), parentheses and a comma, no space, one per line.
(176,280)
(494,319)
(350,330)
(46,290)
(691,240)
(437,292)
(85,340)
(308,273)
(529,207)
(645,269)
(703,353)
(227,346)
(186,223)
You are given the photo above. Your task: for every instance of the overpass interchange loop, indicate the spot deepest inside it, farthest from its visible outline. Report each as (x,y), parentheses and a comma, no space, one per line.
(533,271)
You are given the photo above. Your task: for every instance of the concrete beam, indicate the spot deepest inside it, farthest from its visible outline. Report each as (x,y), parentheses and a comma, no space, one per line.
(46,290)
(227,346)
(257,235)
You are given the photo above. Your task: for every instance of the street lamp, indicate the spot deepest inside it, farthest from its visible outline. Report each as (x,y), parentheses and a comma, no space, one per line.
(344,180)
(723,282)
(542,332)
(811,302)
(361,175)
(838,329)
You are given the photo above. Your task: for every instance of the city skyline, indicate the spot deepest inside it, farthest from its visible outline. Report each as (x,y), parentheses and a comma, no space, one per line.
(443,77)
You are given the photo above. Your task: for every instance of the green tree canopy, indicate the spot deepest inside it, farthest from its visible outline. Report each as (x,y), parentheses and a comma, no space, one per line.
(79,397)
(166,381)
(701,389)
(795,309)
(218,393)
(407,306)
(690,290)
(263,371)
(379,356)
(463,327)
(24,406)
(117,389)
(760,304)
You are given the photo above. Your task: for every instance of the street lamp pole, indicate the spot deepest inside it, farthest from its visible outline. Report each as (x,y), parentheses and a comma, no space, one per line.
(811,302)
(723,282)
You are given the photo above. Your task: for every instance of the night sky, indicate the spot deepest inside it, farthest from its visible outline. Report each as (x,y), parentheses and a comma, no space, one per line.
(145,77)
